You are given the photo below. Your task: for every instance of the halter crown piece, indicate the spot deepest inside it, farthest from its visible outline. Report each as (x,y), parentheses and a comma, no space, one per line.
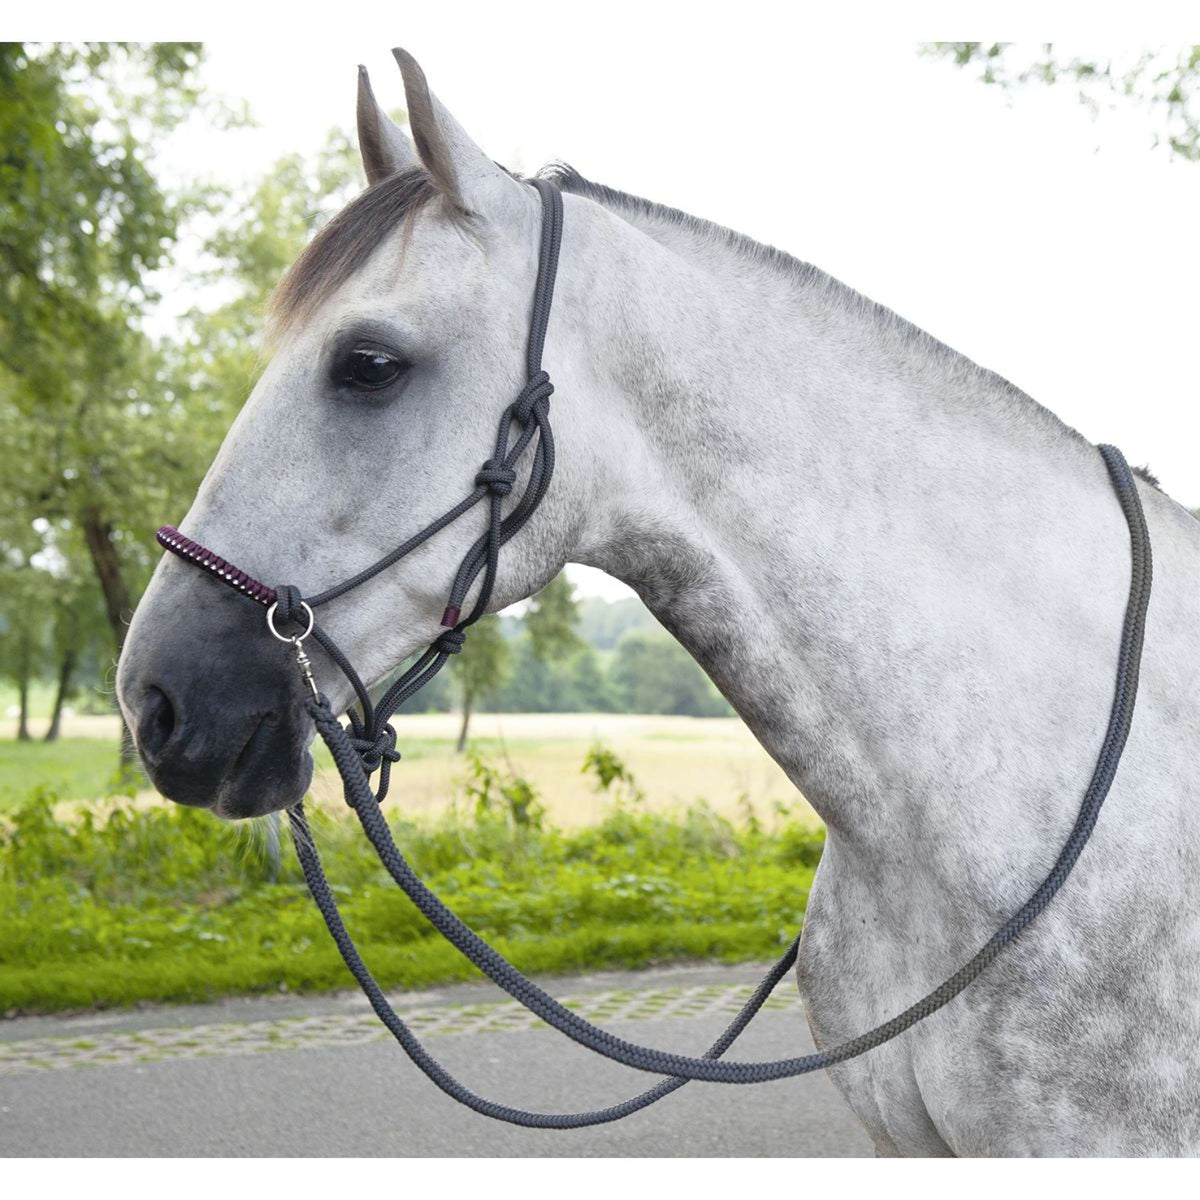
(370,744)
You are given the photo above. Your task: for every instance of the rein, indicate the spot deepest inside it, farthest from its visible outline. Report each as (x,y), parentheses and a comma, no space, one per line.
(369,744)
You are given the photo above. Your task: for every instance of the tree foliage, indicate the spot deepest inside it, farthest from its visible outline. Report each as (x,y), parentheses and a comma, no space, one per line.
(484,665)
(84,224)
(552,621)
(1164,82)
(83,220)
(549,638)
(653,673)
(575,682)
(108,429)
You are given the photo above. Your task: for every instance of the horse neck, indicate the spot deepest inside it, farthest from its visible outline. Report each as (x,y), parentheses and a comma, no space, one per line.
(901,571)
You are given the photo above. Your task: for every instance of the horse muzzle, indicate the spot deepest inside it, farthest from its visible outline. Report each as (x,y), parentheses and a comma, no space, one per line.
(214,705)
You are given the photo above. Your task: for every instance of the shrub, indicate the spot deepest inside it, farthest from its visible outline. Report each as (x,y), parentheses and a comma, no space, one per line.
(167,903)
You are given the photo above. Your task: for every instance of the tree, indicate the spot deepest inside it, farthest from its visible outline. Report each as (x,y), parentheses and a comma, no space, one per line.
(574,683)
(484,664)
(1164,82)
(76,617)
(83,224)
(552,620)
(602,622)
(653,673)
(261,232)
(23,632)
(108,431)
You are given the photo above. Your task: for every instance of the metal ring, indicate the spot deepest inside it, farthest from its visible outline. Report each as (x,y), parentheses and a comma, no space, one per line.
(299,637)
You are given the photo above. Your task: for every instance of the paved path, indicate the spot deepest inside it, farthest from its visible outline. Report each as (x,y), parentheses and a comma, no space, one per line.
(320,1076)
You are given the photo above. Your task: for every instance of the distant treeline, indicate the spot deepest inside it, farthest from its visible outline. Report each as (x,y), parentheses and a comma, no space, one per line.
(624,662)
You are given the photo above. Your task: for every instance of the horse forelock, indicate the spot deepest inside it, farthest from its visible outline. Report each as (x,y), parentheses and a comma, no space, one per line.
(342,247)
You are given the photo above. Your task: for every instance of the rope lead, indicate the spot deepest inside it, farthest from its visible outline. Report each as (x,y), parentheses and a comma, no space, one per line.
(679,1069)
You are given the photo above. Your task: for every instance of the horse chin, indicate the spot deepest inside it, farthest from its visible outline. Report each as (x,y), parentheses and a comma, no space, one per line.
(254,793)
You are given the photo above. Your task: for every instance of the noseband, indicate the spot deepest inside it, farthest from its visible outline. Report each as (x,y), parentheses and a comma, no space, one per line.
(370,744)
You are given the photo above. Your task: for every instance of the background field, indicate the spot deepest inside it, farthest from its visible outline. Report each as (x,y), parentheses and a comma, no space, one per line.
(676,760)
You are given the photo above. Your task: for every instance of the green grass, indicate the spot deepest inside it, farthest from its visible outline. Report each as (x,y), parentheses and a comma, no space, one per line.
(170,904)
(86,768)
(71,768)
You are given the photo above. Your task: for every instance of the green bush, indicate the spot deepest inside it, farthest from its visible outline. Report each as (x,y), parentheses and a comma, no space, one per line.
(170,904)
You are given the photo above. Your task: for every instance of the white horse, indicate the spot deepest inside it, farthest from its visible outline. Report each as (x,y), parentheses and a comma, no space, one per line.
(907,576)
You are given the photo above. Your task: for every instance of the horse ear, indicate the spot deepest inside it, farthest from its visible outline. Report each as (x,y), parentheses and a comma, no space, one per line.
(384,147)
(460,169)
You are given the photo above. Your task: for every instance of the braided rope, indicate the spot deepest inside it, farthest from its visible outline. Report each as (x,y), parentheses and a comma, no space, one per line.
(315,878)
(681,1067)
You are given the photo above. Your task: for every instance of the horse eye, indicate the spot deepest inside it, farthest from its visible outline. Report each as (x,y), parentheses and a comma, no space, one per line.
(367,367)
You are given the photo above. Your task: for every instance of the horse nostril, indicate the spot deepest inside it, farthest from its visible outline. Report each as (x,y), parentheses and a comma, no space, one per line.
(157,722)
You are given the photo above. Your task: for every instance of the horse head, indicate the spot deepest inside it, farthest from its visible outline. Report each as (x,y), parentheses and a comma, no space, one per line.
(399,335)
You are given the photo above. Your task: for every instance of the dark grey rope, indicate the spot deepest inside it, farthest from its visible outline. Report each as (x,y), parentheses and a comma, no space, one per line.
(314,876)
(370,733)
(681,1067)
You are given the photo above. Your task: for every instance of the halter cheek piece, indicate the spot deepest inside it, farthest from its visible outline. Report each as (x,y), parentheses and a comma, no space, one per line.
(370,744)
(529,413)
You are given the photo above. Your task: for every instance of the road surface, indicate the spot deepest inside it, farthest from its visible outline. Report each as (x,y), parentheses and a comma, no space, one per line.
(293,1076)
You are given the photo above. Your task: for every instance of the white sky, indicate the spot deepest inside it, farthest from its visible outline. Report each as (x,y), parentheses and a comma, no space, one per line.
(1059,252)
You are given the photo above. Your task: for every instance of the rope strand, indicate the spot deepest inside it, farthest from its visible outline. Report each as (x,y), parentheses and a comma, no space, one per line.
(497,968)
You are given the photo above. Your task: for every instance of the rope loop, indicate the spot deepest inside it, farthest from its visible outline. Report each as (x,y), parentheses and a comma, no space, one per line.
(450,642)
(496,477)
(375,751)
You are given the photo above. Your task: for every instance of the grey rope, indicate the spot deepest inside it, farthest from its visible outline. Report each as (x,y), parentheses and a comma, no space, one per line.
(315,878)
(681,1067)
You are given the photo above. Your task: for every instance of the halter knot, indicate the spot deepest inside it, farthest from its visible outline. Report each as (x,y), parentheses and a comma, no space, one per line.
(288,601)
(536,393)
(496,477)
(375,751)
(450,642)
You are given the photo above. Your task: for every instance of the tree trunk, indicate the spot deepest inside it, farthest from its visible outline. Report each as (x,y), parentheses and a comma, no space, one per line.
(117,602)
(468,703)
(66,669)
(23,719)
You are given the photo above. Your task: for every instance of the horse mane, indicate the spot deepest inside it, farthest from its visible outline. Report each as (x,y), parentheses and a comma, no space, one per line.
(343,245)
(890,328)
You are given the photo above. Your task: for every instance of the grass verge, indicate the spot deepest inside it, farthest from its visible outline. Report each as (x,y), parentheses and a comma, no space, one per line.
(169,904)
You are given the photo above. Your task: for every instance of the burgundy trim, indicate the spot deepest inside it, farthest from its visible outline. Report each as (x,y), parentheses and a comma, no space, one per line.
(169,538)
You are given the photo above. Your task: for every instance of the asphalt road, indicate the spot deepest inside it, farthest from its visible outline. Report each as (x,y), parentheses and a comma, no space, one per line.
(313,1078)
